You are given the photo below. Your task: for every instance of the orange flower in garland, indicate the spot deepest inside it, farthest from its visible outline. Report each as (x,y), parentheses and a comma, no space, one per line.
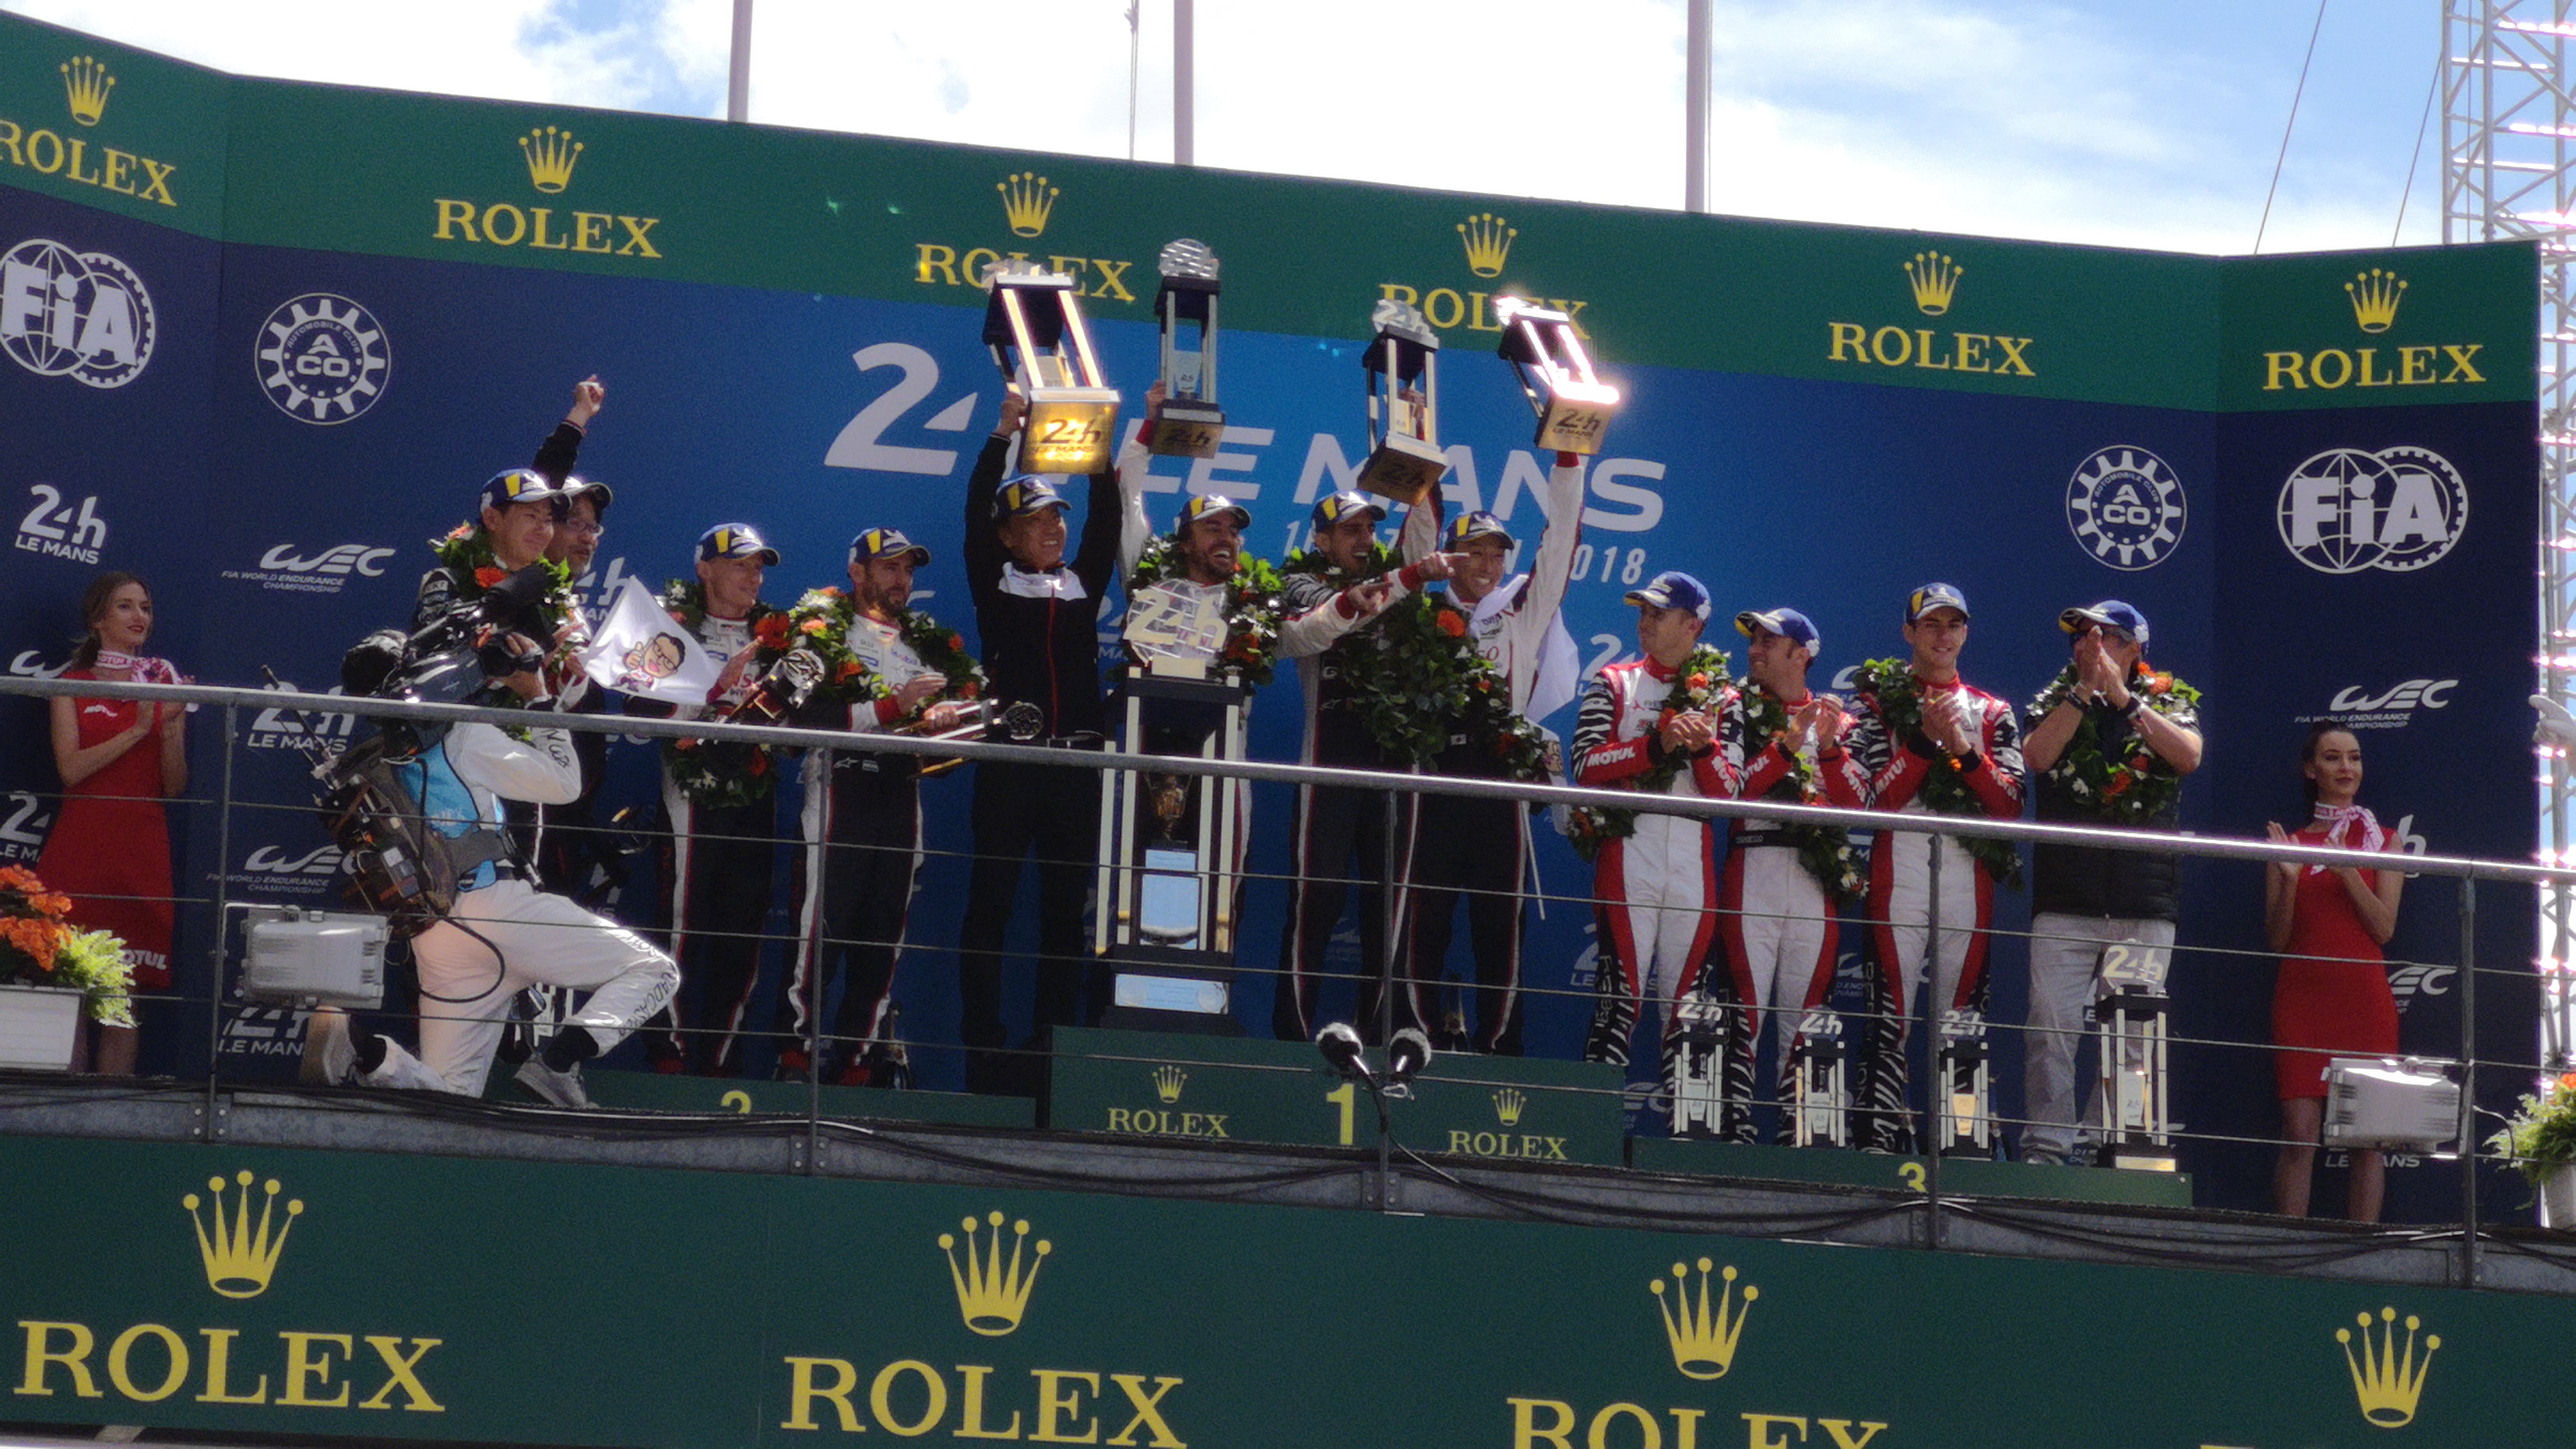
(38,939)
(489,575)
(771,630)
(1453,624)
(2159,683)
(813,626)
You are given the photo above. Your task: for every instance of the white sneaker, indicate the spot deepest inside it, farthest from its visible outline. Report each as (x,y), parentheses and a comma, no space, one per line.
(564,1089)
(330,1057)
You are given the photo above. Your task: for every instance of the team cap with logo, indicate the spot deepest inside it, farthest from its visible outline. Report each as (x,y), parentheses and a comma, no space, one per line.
(2108,614)
(879,543)
(1026,494)
(1934,596)
(1784,621)
(598,493)
(523,485)
(1211,505)
(1673,589)
(1332,508)
(734,540)
(1467,526)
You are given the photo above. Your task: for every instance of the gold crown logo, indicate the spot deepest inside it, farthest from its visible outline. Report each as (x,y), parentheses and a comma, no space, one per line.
(240,1258)
(86,84)
(1026,200)
(1703,1340)
(1489,243)
(1167,1082)
(551,154)
(2375,295)
(990,1295)
(2386,1379)
(1508,1104)
(1934,278)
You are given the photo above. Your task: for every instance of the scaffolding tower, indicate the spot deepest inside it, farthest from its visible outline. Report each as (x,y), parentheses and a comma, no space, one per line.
(2508,174)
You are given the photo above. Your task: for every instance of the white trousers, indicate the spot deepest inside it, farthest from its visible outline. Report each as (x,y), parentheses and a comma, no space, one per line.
(2065,956)
(503,938)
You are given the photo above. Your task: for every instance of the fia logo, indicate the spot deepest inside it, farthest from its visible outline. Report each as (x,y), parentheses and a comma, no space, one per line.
(322,358)
(59,528)
(2349,509)
(83,315)
(2126,507)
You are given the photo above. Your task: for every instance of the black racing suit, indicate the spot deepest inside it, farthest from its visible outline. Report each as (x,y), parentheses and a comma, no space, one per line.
(1041,648)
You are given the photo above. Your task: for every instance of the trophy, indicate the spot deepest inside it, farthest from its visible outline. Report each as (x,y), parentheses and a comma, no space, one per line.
(1033,324)
(1820,1102)
(1704,1032)
(1573,406)
(1405,461)
(1189,424)
(1964,1124)
(2131,1016)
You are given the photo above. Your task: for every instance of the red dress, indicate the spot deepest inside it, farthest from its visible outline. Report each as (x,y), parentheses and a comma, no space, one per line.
(2332,997)
(112,840)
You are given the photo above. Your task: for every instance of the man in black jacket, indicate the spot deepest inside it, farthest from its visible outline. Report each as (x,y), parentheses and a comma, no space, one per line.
(2109,743)
(1038,618)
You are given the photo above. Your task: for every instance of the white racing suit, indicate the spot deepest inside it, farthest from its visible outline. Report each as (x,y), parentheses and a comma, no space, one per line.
(504,935)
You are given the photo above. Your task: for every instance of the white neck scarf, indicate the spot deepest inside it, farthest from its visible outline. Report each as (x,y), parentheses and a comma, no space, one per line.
(2340,821)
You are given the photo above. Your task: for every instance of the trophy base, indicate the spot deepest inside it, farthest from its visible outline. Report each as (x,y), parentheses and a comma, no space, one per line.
(1572,426)
(1186,430)
(1069,430)
(1403,468)
(1167,989)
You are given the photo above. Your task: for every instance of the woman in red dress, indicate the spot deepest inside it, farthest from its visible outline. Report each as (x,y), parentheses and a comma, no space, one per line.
(110,846)
(2332,997)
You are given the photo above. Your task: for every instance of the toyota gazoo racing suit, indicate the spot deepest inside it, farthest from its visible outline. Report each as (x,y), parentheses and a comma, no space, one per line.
(1777,915)
(1481,848)
(1340,835)
(1906,774)
(504,935)
(861,828)
(1653,891)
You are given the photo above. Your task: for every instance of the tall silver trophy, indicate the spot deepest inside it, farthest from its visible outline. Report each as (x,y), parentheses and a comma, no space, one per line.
(1405,460)
(1189,424)
(1033,324)
(1574,406)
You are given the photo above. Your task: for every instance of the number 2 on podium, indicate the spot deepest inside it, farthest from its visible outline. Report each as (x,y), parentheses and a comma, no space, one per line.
(1346,1096)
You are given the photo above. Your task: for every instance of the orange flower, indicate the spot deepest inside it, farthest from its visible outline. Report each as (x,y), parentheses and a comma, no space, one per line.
(2568,1081)
(2159,684)
(771,630)
(813,626)
(970,690)
(1699,681)
(19,878)
(460,531)
(849,667)
(2119,785)
(1484,686)
(760,762)
(1452,624)
(38,939)
(957,641)
(678,618)
(488,575)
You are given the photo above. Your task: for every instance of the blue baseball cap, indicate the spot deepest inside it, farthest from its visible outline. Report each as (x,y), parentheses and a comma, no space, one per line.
(1784,621)
(1332,508)
(523,485)
(734,540)
(879,543)
(1478,524)
(1210,505)
(1934,596)
(1023,495)
(1673,589)
(2108,614)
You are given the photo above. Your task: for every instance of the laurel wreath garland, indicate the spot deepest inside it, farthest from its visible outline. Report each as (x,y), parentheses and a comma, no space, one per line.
(1255,606)
(1824,851)
(1891,687)
(465,551)
(1699,687)
(721,772)
(820,623)
(1426,681)
(2138,786)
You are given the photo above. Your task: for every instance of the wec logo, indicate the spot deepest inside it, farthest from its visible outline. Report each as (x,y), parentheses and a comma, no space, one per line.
(269,860)
(2357,707)
(348,558)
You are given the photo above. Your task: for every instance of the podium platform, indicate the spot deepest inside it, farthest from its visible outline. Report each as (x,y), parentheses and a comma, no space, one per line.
(1960,1176)
(1164,1085)
(672,1092)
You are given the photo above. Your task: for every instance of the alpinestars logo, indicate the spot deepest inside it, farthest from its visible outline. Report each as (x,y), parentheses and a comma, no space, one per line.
(2349,509)
(83,315)
(288,569)
(2126,507)
(322,358)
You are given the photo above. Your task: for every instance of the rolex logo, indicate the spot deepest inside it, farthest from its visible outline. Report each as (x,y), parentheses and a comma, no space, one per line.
(2375,295)
(1508,1104)
(551,154)
(1933,278)
(86,84)
(1703,1335)
(1026,200)
(2387,1378)
(1488,239)
(991,1295)
(239,1257)
(1167,1082)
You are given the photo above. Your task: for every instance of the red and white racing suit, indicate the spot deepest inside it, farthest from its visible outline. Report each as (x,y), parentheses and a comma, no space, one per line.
(1891,776)
(1654,890)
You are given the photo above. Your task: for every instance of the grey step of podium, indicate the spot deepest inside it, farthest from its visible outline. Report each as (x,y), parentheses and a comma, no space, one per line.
(674,1092)
(1166,1086)
(1960,1176)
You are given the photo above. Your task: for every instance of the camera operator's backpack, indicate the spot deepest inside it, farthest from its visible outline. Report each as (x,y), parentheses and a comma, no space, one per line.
(401,866)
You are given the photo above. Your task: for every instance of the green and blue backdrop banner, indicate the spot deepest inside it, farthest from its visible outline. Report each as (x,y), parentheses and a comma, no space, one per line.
(266,339)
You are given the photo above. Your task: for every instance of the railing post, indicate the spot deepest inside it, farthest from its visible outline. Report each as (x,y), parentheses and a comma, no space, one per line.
(2468,1081)
(1938,1095)
(223,912)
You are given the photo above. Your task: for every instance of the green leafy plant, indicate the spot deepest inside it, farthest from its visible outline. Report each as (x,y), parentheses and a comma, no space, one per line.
(2540,1138)
(40,947)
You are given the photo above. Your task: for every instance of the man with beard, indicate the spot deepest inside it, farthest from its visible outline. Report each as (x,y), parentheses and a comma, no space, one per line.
(862,825)
(561,839)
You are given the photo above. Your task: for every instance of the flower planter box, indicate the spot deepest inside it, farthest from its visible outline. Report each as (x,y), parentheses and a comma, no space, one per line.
(38,1025)
(2558,1199)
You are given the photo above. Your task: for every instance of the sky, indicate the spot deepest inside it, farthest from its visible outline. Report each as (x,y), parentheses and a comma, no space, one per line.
(2116,122)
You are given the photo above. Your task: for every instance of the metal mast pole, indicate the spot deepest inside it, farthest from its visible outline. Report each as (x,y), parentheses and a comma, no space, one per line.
(1695,88)
(738,78)
(1184,83)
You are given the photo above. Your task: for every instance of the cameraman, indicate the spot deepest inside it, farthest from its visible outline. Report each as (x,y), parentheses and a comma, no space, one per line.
(504,935)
